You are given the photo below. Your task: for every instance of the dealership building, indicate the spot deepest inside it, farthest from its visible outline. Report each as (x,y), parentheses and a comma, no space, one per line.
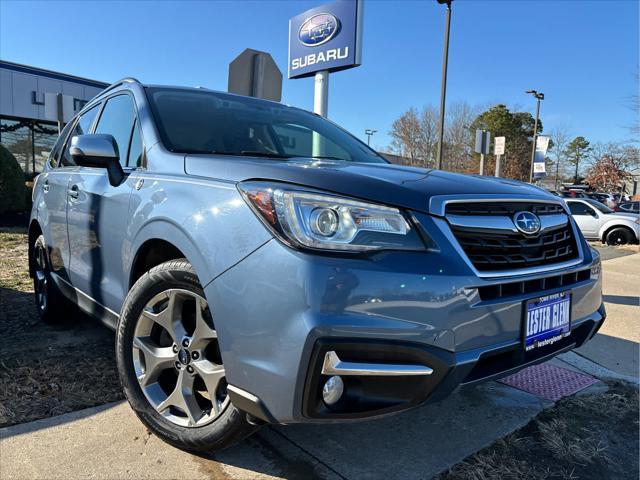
(33,104)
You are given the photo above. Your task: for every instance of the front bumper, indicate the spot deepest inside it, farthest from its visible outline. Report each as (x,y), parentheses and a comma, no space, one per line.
(279,311)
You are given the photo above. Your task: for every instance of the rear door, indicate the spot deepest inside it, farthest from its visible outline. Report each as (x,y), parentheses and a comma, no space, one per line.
(586,217)
(98,211)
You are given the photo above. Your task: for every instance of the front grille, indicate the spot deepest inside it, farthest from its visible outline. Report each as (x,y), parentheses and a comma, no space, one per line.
(501,249)
(538,286)
(507,209)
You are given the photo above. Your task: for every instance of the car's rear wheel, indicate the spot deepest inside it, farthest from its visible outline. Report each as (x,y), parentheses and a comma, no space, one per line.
(619,236)
(170,364)
(52,305)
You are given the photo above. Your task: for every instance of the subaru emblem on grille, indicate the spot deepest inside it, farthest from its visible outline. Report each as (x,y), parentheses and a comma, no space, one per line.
(527,222)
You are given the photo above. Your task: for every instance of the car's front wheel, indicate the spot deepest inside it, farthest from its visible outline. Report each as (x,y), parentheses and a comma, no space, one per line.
(619,236)
(170,364)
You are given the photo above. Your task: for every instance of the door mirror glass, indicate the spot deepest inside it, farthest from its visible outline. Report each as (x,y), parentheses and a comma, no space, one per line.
(98,150)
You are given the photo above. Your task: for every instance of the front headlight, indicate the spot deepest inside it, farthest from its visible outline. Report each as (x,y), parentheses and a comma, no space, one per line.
(327,222)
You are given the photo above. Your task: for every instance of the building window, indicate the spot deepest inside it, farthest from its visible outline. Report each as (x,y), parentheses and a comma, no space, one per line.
(30,141)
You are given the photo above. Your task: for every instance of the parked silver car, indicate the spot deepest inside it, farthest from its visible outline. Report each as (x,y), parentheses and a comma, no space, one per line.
(599,222)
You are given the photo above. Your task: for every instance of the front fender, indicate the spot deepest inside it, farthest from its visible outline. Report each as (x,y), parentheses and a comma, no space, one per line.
(608,225)
(207,221)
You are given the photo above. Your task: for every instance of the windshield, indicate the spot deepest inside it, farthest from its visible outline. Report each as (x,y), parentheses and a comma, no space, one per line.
(192,121)
(600,206)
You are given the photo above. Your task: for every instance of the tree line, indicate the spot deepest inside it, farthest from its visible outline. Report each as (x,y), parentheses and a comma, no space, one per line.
(414,136)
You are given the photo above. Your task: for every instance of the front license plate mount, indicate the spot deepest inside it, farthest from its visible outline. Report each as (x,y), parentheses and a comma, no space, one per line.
(547,319)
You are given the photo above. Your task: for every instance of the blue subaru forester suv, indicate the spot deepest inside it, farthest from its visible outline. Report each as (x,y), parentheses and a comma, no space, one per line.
(261,265)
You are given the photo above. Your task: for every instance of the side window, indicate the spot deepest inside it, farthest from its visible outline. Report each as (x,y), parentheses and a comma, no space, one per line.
(117,119)
(579,208)
(54,156)
(135,149)
(83,126)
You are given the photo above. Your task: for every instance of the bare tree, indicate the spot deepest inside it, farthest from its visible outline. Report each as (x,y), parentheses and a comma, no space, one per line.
(428,135)
(406,136)
(458,151)
(560,138)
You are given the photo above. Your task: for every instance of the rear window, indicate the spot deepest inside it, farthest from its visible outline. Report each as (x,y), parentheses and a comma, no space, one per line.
(192,121)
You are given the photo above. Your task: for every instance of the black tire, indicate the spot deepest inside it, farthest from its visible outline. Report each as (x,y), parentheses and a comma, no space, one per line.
(53,307)
(226,429)
(619,236)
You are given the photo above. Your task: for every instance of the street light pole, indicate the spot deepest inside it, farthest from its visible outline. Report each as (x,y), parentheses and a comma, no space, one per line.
(369,133)
(443,87)
(539,96)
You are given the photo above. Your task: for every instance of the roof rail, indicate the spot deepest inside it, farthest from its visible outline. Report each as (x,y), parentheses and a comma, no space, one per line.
(120,82)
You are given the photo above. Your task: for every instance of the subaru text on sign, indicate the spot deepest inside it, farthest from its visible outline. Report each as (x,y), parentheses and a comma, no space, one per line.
(328,37)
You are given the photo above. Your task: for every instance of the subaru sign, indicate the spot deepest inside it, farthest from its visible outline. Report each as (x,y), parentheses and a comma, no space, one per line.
(328,37)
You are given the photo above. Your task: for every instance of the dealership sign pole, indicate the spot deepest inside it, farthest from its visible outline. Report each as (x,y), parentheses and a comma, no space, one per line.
(498,151)
(325,39)
(539,167)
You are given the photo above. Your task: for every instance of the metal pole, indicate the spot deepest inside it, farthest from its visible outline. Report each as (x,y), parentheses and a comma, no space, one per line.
(321,107)
(368,139)
(443,87)
(535,135)
(498,160)
(482,164)
(321,93)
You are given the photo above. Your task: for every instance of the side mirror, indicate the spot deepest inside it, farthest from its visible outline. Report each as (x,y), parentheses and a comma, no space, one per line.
(593,213)
(100,151)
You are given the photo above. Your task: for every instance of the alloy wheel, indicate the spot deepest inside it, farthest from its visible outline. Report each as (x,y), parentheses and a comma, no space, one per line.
(177,359)
(40,276)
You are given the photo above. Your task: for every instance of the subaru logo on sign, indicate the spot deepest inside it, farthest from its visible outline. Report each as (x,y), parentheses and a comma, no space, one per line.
(318,29)
(527,222)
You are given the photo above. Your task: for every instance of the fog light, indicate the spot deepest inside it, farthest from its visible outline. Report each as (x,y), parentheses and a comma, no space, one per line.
(332,390)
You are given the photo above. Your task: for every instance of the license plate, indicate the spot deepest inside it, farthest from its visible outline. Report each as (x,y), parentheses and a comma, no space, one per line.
(547,320)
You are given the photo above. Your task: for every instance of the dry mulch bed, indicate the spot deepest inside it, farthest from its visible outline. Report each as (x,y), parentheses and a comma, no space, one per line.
(591,436)
(47,370)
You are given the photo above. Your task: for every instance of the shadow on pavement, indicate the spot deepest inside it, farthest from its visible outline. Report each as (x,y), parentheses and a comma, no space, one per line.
(622,299)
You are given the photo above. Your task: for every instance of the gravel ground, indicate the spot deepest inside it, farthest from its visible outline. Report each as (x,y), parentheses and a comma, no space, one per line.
(47,370)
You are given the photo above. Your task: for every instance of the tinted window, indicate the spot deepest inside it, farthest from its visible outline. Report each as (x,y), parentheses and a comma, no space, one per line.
(135,150)
(82,127)
(192,121)
(579,208)
(117,119)
(630,207)
(57,147)
(599,206)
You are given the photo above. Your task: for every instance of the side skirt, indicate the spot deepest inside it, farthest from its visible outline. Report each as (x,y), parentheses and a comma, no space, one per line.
(86,303)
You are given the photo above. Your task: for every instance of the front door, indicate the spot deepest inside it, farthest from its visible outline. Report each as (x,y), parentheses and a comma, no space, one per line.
(586,217)
(99,212)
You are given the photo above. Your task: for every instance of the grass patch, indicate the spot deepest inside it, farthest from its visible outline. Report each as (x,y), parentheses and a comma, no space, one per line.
(582,437)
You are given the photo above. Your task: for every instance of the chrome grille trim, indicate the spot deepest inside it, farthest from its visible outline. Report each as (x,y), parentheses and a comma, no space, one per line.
(437,207)
(497,224)
(438,203)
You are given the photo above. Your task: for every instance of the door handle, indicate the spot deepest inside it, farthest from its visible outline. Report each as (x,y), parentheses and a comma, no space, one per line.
(73,191)
(45,186)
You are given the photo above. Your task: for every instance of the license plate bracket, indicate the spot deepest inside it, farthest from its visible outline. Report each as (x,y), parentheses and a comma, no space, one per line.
(547,319)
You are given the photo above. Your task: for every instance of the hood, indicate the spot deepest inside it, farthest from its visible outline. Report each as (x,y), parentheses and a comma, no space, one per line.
(390,184)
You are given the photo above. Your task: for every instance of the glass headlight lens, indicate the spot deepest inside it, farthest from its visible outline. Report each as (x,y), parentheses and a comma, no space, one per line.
(328,222)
